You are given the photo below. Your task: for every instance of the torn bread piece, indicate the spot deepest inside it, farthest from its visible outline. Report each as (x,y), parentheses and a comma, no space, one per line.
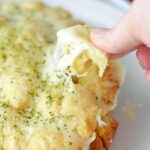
(94,72)
(75,48)
(90,65)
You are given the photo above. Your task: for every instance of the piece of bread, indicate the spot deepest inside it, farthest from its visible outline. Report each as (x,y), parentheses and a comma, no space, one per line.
(95,72)
(75,48)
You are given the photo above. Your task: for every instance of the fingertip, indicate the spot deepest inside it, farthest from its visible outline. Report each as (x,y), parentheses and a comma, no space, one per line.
(97,36)
(143,55)
(147,76)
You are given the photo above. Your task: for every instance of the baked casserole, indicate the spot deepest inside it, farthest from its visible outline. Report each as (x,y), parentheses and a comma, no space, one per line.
(42,108)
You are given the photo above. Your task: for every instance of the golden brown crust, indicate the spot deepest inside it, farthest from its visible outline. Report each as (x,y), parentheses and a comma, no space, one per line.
(110,131)
(105,134)
(97,144)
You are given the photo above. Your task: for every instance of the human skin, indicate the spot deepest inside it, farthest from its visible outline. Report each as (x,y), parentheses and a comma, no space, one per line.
(132,33)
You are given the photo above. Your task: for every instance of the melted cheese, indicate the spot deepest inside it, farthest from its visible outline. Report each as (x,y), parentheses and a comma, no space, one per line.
(75,49)
(37,110)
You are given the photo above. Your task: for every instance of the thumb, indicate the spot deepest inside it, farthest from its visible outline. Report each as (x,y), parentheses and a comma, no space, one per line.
(119,40)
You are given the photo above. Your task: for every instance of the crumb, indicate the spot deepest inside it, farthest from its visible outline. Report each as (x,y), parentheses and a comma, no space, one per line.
(129,109)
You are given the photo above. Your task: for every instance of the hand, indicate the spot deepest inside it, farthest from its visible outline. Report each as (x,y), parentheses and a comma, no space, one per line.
(133,32)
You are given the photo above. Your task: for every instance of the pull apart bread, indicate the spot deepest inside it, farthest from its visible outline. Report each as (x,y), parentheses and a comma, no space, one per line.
(95,75)
(53,95)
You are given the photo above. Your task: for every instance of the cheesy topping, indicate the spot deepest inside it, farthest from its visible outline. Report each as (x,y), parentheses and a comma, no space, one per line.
(75,49)
(36,111)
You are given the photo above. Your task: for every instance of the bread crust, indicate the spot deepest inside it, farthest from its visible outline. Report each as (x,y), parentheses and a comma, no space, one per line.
(105,134)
